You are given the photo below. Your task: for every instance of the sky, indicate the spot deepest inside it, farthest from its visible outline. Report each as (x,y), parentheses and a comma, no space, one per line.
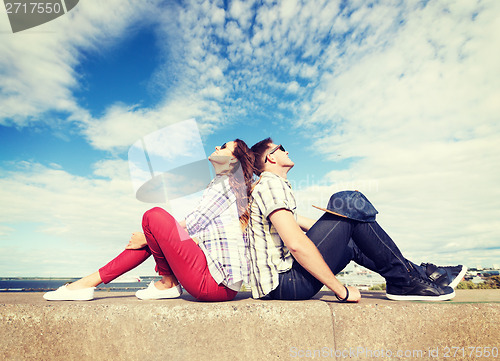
(396,99)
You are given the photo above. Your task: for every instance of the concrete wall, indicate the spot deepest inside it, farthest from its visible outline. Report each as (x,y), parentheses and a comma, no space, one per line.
(117,326)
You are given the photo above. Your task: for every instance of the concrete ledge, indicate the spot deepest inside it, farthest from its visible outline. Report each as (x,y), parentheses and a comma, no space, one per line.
(117,326)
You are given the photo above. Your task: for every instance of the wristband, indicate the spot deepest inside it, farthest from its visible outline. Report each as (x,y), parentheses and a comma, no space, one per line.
(343,300)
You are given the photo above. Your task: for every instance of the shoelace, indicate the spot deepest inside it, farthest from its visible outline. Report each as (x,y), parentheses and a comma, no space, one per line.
(424,281)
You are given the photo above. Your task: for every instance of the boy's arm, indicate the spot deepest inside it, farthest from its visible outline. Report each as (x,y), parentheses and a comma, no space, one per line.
(305,252)
(305,223)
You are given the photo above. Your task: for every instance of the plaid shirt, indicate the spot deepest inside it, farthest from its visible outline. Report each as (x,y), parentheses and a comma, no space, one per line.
(268,254)
(216,224)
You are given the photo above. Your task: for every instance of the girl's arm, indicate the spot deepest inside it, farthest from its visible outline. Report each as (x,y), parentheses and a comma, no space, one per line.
(137,241)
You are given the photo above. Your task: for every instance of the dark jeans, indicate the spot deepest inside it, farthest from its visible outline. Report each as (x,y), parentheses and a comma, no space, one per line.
(341,240)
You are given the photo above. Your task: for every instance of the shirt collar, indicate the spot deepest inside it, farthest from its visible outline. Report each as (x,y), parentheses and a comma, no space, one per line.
(271,175)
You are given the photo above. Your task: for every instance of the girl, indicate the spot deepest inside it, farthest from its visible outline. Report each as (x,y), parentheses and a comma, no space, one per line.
(205,253)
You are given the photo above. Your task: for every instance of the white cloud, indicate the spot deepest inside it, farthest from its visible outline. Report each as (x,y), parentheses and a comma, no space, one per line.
(121,125)
(218,15)
(213,92)
(293,87)
(415,89)
(39,71)
(46,195)
(38,65)
(288,10)
(241,11)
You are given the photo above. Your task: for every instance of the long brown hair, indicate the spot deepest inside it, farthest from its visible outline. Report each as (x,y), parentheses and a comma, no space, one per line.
(241,179)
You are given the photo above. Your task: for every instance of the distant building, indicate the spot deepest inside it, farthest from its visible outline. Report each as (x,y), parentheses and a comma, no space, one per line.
(477,280)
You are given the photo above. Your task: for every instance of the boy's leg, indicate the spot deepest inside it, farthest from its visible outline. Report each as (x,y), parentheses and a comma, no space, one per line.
(299,284)
(373,248)
(376,245)
(333,240)
(404,281)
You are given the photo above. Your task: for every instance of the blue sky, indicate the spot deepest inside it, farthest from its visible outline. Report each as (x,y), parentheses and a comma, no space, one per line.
(398,99)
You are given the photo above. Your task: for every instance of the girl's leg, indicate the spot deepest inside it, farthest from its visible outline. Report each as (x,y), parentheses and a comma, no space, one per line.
(92,280)
(167,282)
(124,262)
(176,254)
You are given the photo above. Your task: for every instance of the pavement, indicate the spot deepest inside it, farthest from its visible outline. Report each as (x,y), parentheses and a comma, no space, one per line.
(118,326)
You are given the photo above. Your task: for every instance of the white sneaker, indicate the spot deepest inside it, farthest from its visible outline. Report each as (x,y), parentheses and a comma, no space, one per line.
(153,293)
(64,294)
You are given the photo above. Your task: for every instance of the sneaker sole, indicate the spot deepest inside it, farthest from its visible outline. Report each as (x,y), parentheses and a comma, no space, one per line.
(157,297)
(66,295)
(70,299)
(459,277)
(446,297)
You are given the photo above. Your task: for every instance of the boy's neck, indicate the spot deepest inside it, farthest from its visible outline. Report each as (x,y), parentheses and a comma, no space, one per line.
(281,171)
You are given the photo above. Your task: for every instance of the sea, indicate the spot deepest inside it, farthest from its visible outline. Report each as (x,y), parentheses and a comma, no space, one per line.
(362,279)
(11,284)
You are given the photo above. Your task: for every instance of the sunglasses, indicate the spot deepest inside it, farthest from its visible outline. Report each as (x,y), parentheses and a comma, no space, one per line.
(280,147)
(223,146)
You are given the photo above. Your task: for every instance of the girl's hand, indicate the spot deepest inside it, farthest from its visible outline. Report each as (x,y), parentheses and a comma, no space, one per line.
(137,241)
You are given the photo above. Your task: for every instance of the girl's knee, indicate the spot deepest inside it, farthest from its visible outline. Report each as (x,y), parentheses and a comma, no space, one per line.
(157,213)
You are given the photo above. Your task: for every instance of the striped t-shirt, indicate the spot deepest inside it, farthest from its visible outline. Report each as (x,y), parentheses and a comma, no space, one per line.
(268,254)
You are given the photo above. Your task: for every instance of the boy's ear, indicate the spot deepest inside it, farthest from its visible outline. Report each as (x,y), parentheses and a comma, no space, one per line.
(270,158)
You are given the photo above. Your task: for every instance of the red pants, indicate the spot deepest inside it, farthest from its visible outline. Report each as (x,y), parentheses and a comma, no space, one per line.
(175,253)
